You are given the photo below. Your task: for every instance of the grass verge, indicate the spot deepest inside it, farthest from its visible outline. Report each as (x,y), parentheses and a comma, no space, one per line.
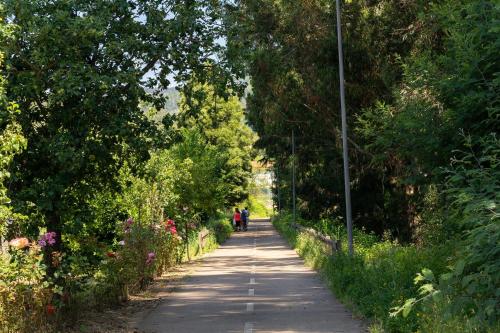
(378,277)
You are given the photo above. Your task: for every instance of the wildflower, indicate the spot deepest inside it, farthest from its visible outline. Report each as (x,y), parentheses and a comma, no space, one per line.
(49,238)
(50,309)
(150,258)
(19,243)
(170,226)
(129,222)
(111,254)
(121,243)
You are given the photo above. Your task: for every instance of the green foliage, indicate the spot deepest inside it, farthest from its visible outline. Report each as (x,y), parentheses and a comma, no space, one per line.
(375,279)
(468,291)
(24,291)
(84,155)
(257,207)
(259,201)
(463,83)
(474,192)
(222,228)
(296,89)
(221,124)
(420,77)
(11,140)
(79,71)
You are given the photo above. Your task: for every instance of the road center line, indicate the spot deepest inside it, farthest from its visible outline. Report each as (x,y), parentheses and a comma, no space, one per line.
(248,328)
(249,307)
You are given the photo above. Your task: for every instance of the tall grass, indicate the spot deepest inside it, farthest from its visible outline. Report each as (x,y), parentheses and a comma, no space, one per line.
(376,278)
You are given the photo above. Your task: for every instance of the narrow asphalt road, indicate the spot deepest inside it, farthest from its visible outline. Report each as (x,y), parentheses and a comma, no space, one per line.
(253,283)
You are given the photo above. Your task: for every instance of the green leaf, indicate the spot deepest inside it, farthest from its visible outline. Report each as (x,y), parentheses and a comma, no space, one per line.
(427,274)
(459,267)
(407,307)
(426,289)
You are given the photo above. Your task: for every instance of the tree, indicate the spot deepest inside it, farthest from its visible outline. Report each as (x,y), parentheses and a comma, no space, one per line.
(290,50)
(79,70)
(220,120)
(11,139)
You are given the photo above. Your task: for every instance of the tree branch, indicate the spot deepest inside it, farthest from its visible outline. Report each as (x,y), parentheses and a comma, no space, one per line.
(338,133)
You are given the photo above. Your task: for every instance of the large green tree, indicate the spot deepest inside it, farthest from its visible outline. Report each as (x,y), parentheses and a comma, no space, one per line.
(220,120)
(79,70)
(11,140)
(290,49)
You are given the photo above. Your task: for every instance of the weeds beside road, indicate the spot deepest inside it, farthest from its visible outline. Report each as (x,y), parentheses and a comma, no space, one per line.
(378,277)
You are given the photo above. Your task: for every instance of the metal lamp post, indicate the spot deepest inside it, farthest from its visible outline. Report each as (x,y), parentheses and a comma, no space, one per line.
(344,135)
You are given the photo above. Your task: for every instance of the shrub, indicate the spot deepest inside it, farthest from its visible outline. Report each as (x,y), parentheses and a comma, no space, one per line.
(222,228)
(25,294)
(375,279)
(469,291)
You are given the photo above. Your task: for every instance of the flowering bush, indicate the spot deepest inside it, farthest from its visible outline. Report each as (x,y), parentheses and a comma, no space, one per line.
(25,294)
(144,252)
(47,239)
(170,226)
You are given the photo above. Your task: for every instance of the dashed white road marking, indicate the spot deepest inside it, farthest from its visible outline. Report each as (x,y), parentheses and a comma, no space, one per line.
(252,280)
(249,307)
(248,328)
(251,292)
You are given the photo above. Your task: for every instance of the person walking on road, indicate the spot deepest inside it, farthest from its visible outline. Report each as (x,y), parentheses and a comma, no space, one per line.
(244,218)
(237,219)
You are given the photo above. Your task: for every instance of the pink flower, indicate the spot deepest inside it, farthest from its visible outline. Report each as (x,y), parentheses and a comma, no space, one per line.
(170,226)
(128,224)
(19,243)
(49,238)
(151,257)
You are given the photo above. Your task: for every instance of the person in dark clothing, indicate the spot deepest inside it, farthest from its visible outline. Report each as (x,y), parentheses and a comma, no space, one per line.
(244,218)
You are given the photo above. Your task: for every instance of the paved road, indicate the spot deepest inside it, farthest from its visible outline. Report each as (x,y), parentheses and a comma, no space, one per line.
(253,283)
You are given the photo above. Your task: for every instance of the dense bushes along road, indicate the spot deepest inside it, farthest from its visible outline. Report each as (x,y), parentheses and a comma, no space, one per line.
(377,280)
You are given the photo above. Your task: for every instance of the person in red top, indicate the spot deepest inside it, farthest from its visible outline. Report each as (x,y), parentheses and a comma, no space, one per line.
(237,219)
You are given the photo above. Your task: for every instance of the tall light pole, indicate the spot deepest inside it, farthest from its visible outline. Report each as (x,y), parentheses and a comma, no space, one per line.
(347,185)
(293,179)
(278,188)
